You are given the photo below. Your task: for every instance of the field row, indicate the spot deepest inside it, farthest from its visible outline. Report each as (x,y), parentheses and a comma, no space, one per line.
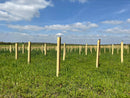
(78,76)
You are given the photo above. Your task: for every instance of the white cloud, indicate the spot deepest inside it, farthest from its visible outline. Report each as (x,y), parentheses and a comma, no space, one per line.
(81,1)
(64,32)
(42,35)
(68,39)
(113,22)
(76,27)
(16,10)
(121,11)
(117,30)
(27,27)
(128,20)
(25,37)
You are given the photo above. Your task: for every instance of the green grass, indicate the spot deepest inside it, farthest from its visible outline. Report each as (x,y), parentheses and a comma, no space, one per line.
(78,77)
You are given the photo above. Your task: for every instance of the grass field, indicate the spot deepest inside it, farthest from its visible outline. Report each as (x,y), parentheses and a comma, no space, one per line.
(78,77)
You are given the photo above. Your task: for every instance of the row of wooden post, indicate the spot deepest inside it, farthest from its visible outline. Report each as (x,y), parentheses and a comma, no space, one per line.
(110,49)
(97,57)
(44,48)
(64,52)
(98,52)
(29,51)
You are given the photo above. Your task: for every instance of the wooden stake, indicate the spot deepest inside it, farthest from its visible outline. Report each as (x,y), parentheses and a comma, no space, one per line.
(10,49)
(58,55)
(64,52)
(86,49)
(16,51)
(29,52)
(98,51)
(45,49)
(23,48)
(112,49)
(121,52)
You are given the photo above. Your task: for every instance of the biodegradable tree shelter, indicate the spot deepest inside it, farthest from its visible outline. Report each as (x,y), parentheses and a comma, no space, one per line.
(98,53)
(10,48)
(45,49)
(86,49)
(112,49)
(64,52)
(22,48)
(58,55)
(29,52)
(16,51)
(121,52)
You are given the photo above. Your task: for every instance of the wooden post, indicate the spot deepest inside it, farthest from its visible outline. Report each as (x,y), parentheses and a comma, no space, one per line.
(64,52)
(29,52)
(58,55)
(112,49)
(22,48)
(98,51)
(10,49)
(80,48)
(86,49)
(16,51)
(121,52)
(45,49)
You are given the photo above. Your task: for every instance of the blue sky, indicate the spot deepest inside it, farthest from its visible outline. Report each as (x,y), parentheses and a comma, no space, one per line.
(76,21)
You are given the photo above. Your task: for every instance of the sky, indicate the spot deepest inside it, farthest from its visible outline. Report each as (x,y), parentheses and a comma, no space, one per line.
(76,21)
